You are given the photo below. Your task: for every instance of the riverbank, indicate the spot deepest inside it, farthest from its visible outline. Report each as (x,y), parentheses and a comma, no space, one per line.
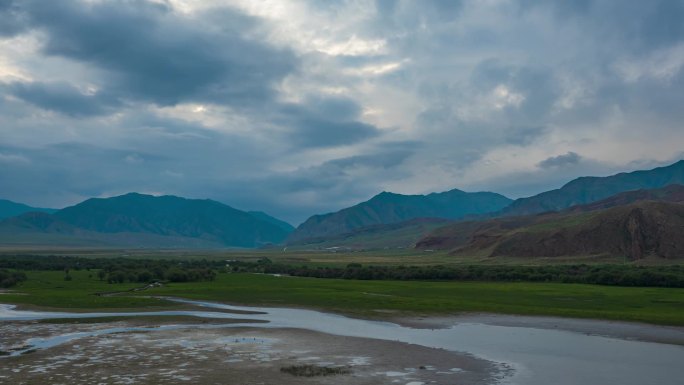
(367,299)
(192,355)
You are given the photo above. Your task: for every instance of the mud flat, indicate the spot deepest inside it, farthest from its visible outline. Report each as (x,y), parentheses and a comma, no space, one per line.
(236,355)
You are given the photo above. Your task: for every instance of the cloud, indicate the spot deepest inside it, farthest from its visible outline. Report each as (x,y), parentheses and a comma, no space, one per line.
(64,98)
(12,20)
(561,160)
(307,106)
(152,53)
(10,159)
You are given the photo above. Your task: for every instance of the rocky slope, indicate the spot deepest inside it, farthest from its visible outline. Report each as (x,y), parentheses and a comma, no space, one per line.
(633,231)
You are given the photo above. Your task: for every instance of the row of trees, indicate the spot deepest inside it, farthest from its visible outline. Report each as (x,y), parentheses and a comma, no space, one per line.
(174,274)
(60,262)
(617,275)
(119,270)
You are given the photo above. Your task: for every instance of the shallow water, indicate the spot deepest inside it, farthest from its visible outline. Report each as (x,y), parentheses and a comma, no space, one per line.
(538,356)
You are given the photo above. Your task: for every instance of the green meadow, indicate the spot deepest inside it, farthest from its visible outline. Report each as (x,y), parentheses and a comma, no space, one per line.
(371,299)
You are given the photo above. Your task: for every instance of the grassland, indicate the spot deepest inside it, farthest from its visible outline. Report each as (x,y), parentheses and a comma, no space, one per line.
(317,257)
(374,299)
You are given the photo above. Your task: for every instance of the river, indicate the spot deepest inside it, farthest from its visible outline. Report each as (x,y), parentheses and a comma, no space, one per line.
(538,356)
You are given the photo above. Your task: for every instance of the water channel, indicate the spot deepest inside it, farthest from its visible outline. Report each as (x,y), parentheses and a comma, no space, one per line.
(538,356)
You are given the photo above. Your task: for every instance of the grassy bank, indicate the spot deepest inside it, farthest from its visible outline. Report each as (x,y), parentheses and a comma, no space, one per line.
(367,298)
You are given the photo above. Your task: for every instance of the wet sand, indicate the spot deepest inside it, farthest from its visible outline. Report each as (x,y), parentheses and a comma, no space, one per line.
(244,355)
(614,329)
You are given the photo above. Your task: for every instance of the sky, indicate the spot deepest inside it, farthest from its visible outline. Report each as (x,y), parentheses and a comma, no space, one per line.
(300,107)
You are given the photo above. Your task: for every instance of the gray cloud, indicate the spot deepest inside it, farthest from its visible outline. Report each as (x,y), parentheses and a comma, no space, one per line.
(12,20)
(639,26)
(63,97)
(315,132)
(561,160)
(154,54)
(314,110)
(323,122)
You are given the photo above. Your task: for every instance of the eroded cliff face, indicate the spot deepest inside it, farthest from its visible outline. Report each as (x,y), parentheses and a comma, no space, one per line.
(635,226)
(634,232)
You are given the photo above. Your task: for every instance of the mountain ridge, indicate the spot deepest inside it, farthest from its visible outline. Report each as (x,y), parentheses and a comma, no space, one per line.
(588,189)
(206,221)
(10,208)
(387,208)
(633,225)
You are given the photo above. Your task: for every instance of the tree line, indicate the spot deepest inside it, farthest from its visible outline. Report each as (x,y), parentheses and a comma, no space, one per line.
(615,275)
(119,270)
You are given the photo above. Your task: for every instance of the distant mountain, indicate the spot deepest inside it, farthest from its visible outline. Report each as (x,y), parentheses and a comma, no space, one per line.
(632,225)
(267,218)
(12,209)
(401,235)
(42,229)
(591,189)
(387,208)
(37,221)
(148,221)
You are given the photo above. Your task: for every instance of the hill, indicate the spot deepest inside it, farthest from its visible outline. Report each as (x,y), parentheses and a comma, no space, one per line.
(591,189)
(148,221)
(638,229)
(12,209)
(387,208)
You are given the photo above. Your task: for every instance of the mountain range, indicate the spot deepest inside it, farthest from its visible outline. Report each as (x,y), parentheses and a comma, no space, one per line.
(143,220)
(634,225)
(591,189)
(635,222)
(387,208)
(634,215)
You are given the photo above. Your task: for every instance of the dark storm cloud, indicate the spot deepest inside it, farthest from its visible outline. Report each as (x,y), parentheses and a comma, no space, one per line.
(63,97)
(570,158)
(154,54)
(325,122)
(315,132)
(151,53)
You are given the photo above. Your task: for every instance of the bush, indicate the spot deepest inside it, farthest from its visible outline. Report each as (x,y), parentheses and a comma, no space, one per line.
(11,278)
